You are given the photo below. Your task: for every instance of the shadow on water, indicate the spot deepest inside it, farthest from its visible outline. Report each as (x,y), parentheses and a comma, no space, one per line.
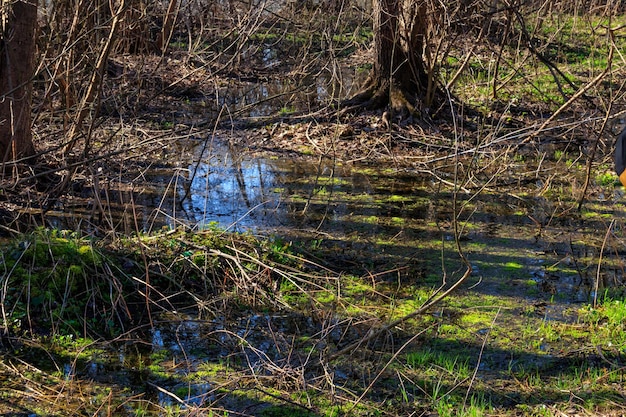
(367,218)
(259,99)
(364,220)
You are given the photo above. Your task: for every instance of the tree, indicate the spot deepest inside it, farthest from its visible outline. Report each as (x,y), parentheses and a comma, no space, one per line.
(18,22)
(399,78)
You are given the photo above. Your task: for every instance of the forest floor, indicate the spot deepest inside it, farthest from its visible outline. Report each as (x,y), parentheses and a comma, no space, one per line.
(295,321)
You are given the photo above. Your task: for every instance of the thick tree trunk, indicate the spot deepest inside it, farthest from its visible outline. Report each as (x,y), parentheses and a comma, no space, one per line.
(18,22)
(399,43)
(398,79)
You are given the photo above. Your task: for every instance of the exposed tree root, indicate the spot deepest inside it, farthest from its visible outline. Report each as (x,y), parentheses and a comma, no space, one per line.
(383,94)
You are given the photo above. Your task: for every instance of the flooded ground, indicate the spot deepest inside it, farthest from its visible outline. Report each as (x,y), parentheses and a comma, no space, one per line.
(344,225)
(534,256)
(385,234)
(371,218)
(394,225)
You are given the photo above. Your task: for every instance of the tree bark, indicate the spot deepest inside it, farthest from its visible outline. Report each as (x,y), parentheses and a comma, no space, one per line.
(18,20)
(398,79)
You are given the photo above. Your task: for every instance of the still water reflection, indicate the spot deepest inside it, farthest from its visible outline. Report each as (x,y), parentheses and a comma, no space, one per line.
(232,191)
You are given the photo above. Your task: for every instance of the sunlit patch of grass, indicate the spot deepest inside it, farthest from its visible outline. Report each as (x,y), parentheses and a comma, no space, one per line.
(402,306)
(370,219)
(325,297)
(355,287)
(79,348)
(398,221)
(512,267)
(608,322)
(210,370)
(476,319)
(590,214)
(263,36)
(440,372)
(399,198)
(292,295)
(578,51)
(457,365)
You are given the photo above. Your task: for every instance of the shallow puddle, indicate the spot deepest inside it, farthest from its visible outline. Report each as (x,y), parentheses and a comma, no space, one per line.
(375,218)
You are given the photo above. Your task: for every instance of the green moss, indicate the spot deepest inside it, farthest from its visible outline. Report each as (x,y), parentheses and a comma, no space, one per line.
(398,198)
(370,219)
(399,221)
(325,297)
(264,36)
(286,411)
(513,266)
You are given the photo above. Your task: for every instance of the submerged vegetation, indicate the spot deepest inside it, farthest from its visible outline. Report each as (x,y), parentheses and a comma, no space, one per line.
(467,263)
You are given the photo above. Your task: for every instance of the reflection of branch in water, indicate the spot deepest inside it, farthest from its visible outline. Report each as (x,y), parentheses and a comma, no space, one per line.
(243,216)
(208,144)
(241,182)
(259,169)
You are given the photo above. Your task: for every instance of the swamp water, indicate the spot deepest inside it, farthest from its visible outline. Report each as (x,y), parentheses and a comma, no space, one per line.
(391,225)
(367,220)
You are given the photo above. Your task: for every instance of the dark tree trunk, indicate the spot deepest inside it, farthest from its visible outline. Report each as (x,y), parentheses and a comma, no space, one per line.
(17,58)
(398,79)
(399,43)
